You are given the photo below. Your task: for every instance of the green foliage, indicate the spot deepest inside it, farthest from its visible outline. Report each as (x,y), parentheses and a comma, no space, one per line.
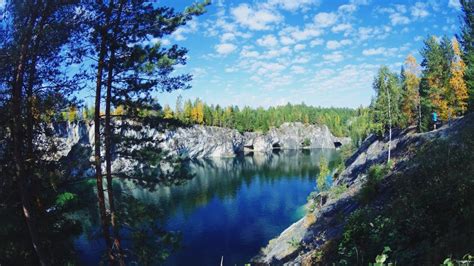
(341,121)
(428,216)
(336,191)
(306,142)
(294,243)
(323,173)
(467,41)
(385,108)
(380,259)
(364,234)
(64,198)
(370,187)
(360,126)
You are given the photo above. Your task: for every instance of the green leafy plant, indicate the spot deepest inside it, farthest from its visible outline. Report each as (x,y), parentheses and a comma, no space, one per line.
(306,142)
(375,175)
(336,191)
(294,243)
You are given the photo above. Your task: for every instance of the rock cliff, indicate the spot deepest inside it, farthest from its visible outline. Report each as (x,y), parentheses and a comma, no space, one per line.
(205,141)
(301,242)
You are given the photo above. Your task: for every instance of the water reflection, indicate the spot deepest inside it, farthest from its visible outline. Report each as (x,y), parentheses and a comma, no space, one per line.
(233,206)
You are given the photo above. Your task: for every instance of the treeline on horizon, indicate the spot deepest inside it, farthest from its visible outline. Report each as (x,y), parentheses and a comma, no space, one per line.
(342,122)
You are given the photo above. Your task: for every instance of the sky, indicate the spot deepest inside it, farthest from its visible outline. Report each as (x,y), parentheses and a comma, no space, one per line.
(320,52)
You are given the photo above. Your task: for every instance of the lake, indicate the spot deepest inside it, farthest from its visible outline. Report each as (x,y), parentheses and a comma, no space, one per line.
(231,207)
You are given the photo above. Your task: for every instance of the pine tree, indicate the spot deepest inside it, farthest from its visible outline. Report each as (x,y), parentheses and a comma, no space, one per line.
(467,41)
(433,81)
(130,67)
(33,32)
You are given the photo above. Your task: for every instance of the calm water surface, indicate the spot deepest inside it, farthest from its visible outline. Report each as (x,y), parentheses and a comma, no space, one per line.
(234,206)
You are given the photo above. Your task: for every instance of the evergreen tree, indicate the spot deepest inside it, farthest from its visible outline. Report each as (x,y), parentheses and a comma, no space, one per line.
(130,67)
(32,36)
(432,84)
(467,41)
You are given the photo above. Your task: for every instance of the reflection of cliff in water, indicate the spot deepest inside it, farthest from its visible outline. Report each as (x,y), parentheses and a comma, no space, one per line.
(223,177)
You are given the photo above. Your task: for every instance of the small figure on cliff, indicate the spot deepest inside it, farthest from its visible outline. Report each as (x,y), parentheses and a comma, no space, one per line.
(434,117)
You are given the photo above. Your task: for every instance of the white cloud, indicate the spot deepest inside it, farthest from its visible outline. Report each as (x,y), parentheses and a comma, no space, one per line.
(334,57)
(380,51)
(347,8)
(332,45)
(248,53)
(300,60)
(190,27)
(225,48)
(454,4)
(379,33)
(293,5)
(397,13)
(398,19)
(300,47)
(324,19)
(418,38)
(285,40)
(298,69)
(260,19)
(297,35)
(198,72)
(268,41)
(227,37)
(341,27)
(419,10)
(316,42)
(360,2)
(269,67)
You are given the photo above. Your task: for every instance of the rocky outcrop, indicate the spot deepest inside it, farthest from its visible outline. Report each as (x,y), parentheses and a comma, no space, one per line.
(205,141)
(298,244)
(297,135)
(202,141)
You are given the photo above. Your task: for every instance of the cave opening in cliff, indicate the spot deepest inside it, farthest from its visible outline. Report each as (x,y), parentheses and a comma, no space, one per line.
(249,147)
(337,144)
(276,146)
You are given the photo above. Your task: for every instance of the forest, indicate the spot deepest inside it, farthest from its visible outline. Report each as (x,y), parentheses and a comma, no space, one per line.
(108,45)
(51,50)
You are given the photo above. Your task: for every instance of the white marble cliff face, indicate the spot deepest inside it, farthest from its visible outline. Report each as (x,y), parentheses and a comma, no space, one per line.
(205,141)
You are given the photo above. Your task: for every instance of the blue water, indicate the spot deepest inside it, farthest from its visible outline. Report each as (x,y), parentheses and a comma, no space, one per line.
(233,206)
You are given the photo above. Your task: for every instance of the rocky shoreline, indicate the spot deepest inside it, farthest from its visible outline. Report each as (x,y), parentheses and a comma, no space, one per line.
(206,141)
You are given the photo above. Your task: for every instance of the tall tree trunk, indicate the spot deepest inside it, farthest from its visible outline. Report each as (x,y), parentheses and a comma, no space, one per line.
(389,124)
(108,137)
(97,137)
(18,142)
(30,120)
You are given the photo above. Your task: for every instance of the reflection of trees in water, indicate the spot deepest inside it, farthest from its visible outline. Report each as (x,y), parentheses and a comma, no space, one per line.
(222,177)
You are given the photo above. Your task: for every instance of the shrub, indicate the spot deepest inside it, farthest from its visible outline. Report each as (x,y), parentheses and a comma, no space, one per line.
(374,176)
(429,213)
(306,142)
(336,191)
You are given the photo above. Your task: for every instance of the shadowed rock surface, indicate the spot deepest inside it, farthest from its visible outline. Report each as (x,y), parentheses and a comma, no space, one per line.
(298,244)
(205,141)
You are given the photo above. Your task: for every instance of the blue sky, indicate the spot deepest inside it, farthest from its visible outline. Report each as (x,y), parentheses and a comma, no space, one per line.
(321,52)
